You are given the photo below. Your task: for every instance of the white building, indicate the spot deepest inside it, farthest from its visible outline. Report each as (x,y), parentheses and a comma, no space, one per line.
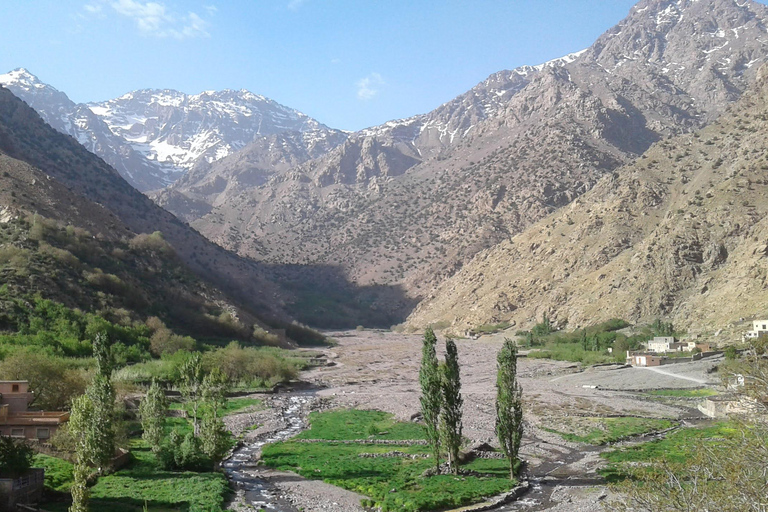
(662,344)
(759,327)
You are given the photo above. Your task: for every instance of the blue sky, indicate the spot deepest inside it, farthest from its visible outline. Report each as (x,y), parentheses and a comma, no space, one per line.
(348,63)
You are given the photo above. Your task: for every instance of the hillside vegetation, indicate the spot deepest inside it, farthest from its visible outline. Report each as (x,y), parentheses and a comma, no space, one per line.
(681,233)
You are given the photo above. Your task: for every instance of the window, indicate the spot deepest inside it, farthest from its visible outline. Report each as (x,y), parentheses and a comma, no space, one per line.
(17,432)
(43,433)
(15,388)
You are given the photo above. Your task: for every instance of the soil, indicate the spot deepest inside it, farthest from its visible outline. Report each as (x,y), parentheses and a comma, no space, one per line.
(379,370)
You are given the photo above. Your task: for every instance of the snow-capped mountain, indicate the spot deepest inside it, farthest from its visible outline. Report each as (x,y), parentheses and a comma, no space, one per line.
(152,137)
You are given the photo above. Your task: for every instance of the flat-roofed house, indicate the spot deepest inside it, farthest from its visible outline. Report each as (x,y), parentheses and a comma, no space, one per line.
(16,420)
(759,328)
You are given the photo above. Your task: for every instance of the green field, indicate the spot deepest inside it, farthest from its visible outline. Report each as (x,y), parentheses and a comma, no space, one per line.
(683,393)
(392,483)
(600,431)
(675,448)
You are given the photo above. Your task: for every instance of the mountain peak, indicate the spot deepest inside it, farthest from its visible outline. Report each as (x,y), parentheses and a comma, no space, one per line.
(21,77)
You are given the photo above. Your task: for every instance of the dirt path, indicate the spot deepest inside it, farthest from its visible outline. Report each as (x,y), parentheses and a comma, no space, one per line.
(671,374)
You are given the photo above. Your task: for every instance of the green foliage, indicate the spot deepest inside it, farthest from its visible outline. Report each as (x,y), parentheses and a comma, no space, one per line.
(683,393)
(58,472)
(611,430)
(509,404)
(190,383)
(392,483)
(250,366)
(92,424)
(54,380)
(152,411)
(450,416)
(15,457)
(731,354)
(431,395)
(661,328)
(354,424)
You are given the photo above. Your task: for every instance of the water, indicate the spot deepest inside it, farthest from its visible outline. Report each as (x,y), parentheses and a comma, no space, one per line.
(241,468)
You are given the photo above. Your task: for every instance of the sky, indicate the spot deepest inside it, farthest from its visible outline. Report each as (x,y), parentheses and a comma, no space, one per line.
(350,64)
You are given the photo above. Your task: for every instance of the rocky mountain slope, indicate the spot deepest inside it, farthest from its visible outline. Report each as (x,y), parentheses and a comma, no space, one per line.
(152,137)
(682,233)
(411,201)
(49,173)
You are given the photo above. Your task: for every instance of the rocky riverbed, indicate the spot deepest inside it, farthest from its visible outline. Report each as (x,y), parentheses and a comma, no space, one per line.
(379,370)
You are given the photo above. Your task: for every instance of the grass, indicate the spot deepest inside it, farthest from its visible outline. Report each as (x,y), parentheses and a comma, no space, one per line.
(351,424)
(392,483)
(601,431)
(142,481)
(232,406)
(683,393)
(674,448)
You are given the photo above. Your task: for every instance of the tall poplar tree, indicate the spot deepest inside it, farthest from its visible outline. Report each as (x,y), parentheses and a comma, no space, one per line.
(509,404)
(450,417)
(152,410)
(431,394)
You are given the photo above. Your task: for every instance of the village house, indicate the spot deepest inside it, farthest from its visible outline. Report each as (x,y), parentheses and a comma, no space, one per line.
(759,328)
(640,359)
(662,344)
(16,420)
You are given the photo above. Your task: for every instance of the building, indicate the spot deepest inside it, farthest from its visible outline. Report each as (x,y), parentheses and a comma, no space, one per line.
(16,420)
(640,359)
(662,344)
(759,328)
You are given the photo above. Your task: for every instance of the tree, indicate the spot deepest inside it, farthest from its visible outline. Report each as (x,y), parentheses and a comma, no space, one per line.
(152,410)
(15,457)
(450,417)
(213,435)
(190,383)
(52,380)
(431,399)
(103,354)
(509,404)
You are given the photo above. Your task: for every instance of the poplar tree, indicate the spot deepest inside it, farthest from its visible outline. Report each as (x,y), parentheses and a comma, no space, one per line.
(152,410)
(509,404)
(213,435)
(431,395)
(190,385)
(450,417)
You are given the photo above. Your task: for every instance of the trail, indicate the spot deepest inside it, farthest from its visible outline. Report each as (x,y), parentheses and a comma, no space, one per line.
(670,374)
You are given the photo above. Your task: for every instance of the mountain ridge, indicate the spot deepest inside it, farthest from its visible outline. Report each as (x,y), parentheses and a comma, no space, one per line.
(679,234)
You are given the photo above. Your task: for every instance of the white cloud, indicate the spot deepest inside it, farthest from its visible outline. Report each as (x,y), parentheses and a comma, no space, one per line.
(295,5)
(368,87)
(155,19)
(92,8)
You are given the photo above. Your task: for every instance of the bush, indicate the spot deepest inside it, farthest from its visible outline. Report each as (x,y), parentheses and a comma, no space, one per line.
(250,366)
(154,244)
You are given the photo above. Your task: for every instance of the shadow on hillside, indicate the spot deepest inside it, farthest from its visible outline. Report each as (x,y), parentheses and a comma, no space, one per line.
(324,298)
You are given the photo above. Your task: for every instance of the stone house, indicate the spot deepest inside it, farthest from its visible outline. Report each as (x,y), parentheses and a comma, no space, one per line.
(16,420)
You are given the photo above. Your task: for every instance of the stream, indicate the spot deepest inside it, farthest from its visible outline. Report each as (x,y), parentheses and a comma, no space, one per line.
(241,468)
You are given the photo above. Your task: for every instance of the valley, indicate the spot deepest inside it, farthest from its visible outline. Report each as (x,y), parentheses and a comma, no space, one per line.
(547,293)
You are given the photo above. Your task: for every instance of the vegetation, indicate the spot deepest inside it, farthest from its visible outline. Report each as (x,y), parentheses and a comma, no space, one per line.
(431,399)
(450,417)
(683,393)
(719,467)
(600,431)
(509,404)
(394,483)
(15,457)
(152,411)
(589,345)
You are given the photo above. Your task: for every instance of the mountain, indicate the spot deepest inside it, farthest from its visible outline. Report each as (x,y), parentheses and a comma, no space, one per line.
(682,234)
(410,202)
(48,173)
(152,137)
